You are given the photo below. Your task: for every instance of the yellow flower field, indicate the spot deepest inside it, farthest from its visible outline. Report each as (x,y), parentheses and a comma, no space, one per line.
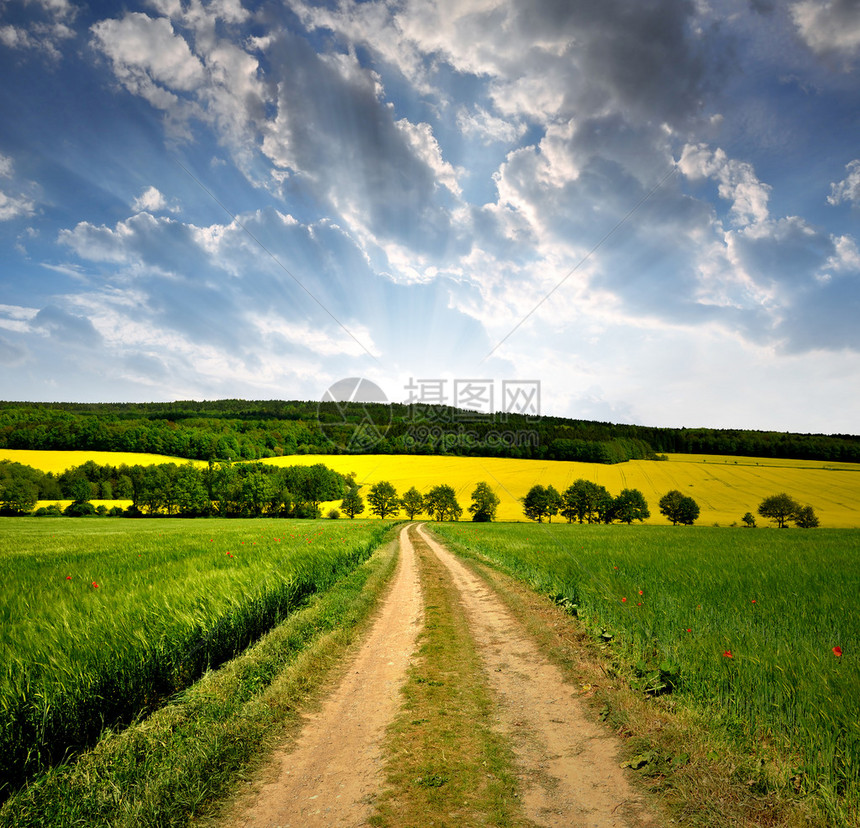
(724,487)
(724,490)
(59,461)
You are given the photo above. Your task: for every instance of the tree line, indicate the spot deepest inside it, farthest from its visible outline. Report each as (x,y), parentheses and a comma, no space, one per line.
(252,430)
(588,502)
(259,489)
(220,488)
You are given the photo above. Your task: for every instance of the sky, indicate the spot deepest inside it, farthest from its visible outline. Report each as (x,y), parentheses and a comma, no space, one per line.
(649,210)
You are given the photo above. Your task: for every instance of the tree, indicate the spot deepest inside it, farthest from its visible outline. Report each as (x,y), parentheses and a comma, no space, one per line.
(630,505)
(256,493)
(749,520)
(679,508)
(604,505)
(441,502)
(484,503)
(554,501)
(191,495)
(535,503)
(412,503)
(352,503)
(586,501)
(18,496)
(806,518)
(79,509)
(311,485)
(383,499)
(779,507)
(82,490)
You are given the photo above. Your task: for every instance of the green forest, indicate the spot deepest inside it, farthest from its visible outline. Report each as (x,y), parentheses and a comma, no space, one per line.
(251,430)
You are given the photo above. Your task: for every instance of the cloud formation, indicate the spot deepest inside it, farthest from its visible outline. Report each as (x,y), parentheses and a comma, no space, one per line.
(387,188)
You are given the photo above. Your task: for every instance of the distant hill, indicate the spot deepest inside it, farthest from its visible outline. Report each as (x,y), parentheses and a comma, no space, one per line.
(250,430)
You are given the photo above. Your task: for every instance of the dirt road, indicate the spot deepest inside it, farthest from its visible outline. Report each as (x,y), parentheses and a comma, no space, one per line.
(568,766)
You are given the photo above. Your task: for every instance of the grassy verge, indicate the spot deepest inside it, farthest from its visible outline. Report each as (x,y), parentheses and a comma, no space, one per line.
(447,766)
(176,764)
(686,756)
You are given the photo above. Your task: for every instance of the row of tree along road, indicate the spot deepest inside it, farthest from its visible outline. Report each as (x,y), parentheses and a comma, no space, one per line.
(589,502)
(583,501)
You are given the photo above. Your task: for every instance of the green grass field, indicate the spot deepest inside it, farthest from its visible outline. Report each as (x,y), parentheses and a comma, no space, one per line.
(103,620)
(742,623)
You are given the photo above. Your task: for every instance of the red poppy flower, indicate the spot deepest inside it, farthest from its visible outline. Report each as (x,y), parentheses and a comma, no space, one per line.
(689,629)
(623,599)
(640,592)
(837,651)
(728,654)
(95,585)
(753,600)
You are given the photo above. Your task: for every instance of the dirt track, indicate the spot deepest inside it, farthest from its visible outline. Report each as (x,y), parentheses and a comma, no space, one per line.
(568,766)
(335,769)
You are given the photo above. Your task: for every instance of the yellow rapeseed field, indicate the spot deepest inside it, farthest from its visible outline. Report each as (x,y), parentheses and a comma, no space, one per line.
(59,461)
(724,487)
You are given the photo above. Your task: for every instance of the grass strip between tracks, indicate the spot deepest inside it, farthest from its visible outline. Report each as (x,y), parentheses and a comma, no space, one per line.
(447,764)
(176,764)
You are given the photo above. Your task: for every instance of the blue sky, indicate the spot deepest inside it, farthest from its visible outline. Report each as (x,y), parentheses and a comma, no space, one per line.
(651,207)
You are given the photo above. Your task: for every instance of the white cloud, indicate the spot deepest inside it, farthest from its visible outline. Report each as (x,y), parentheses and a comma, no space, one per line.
(828,26)
(427,149)
(736,179)
(150,200)
(45,32)
(849,188)
(216,81)
(326,340)
(143,49)
(489,128)
(16,318)
(846,256)
(15,206)
(16,38)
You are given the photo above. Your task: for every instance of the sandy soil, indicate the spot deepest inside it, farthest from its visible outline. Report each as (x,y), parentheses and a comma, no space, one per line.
(569,766)
(332,774)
